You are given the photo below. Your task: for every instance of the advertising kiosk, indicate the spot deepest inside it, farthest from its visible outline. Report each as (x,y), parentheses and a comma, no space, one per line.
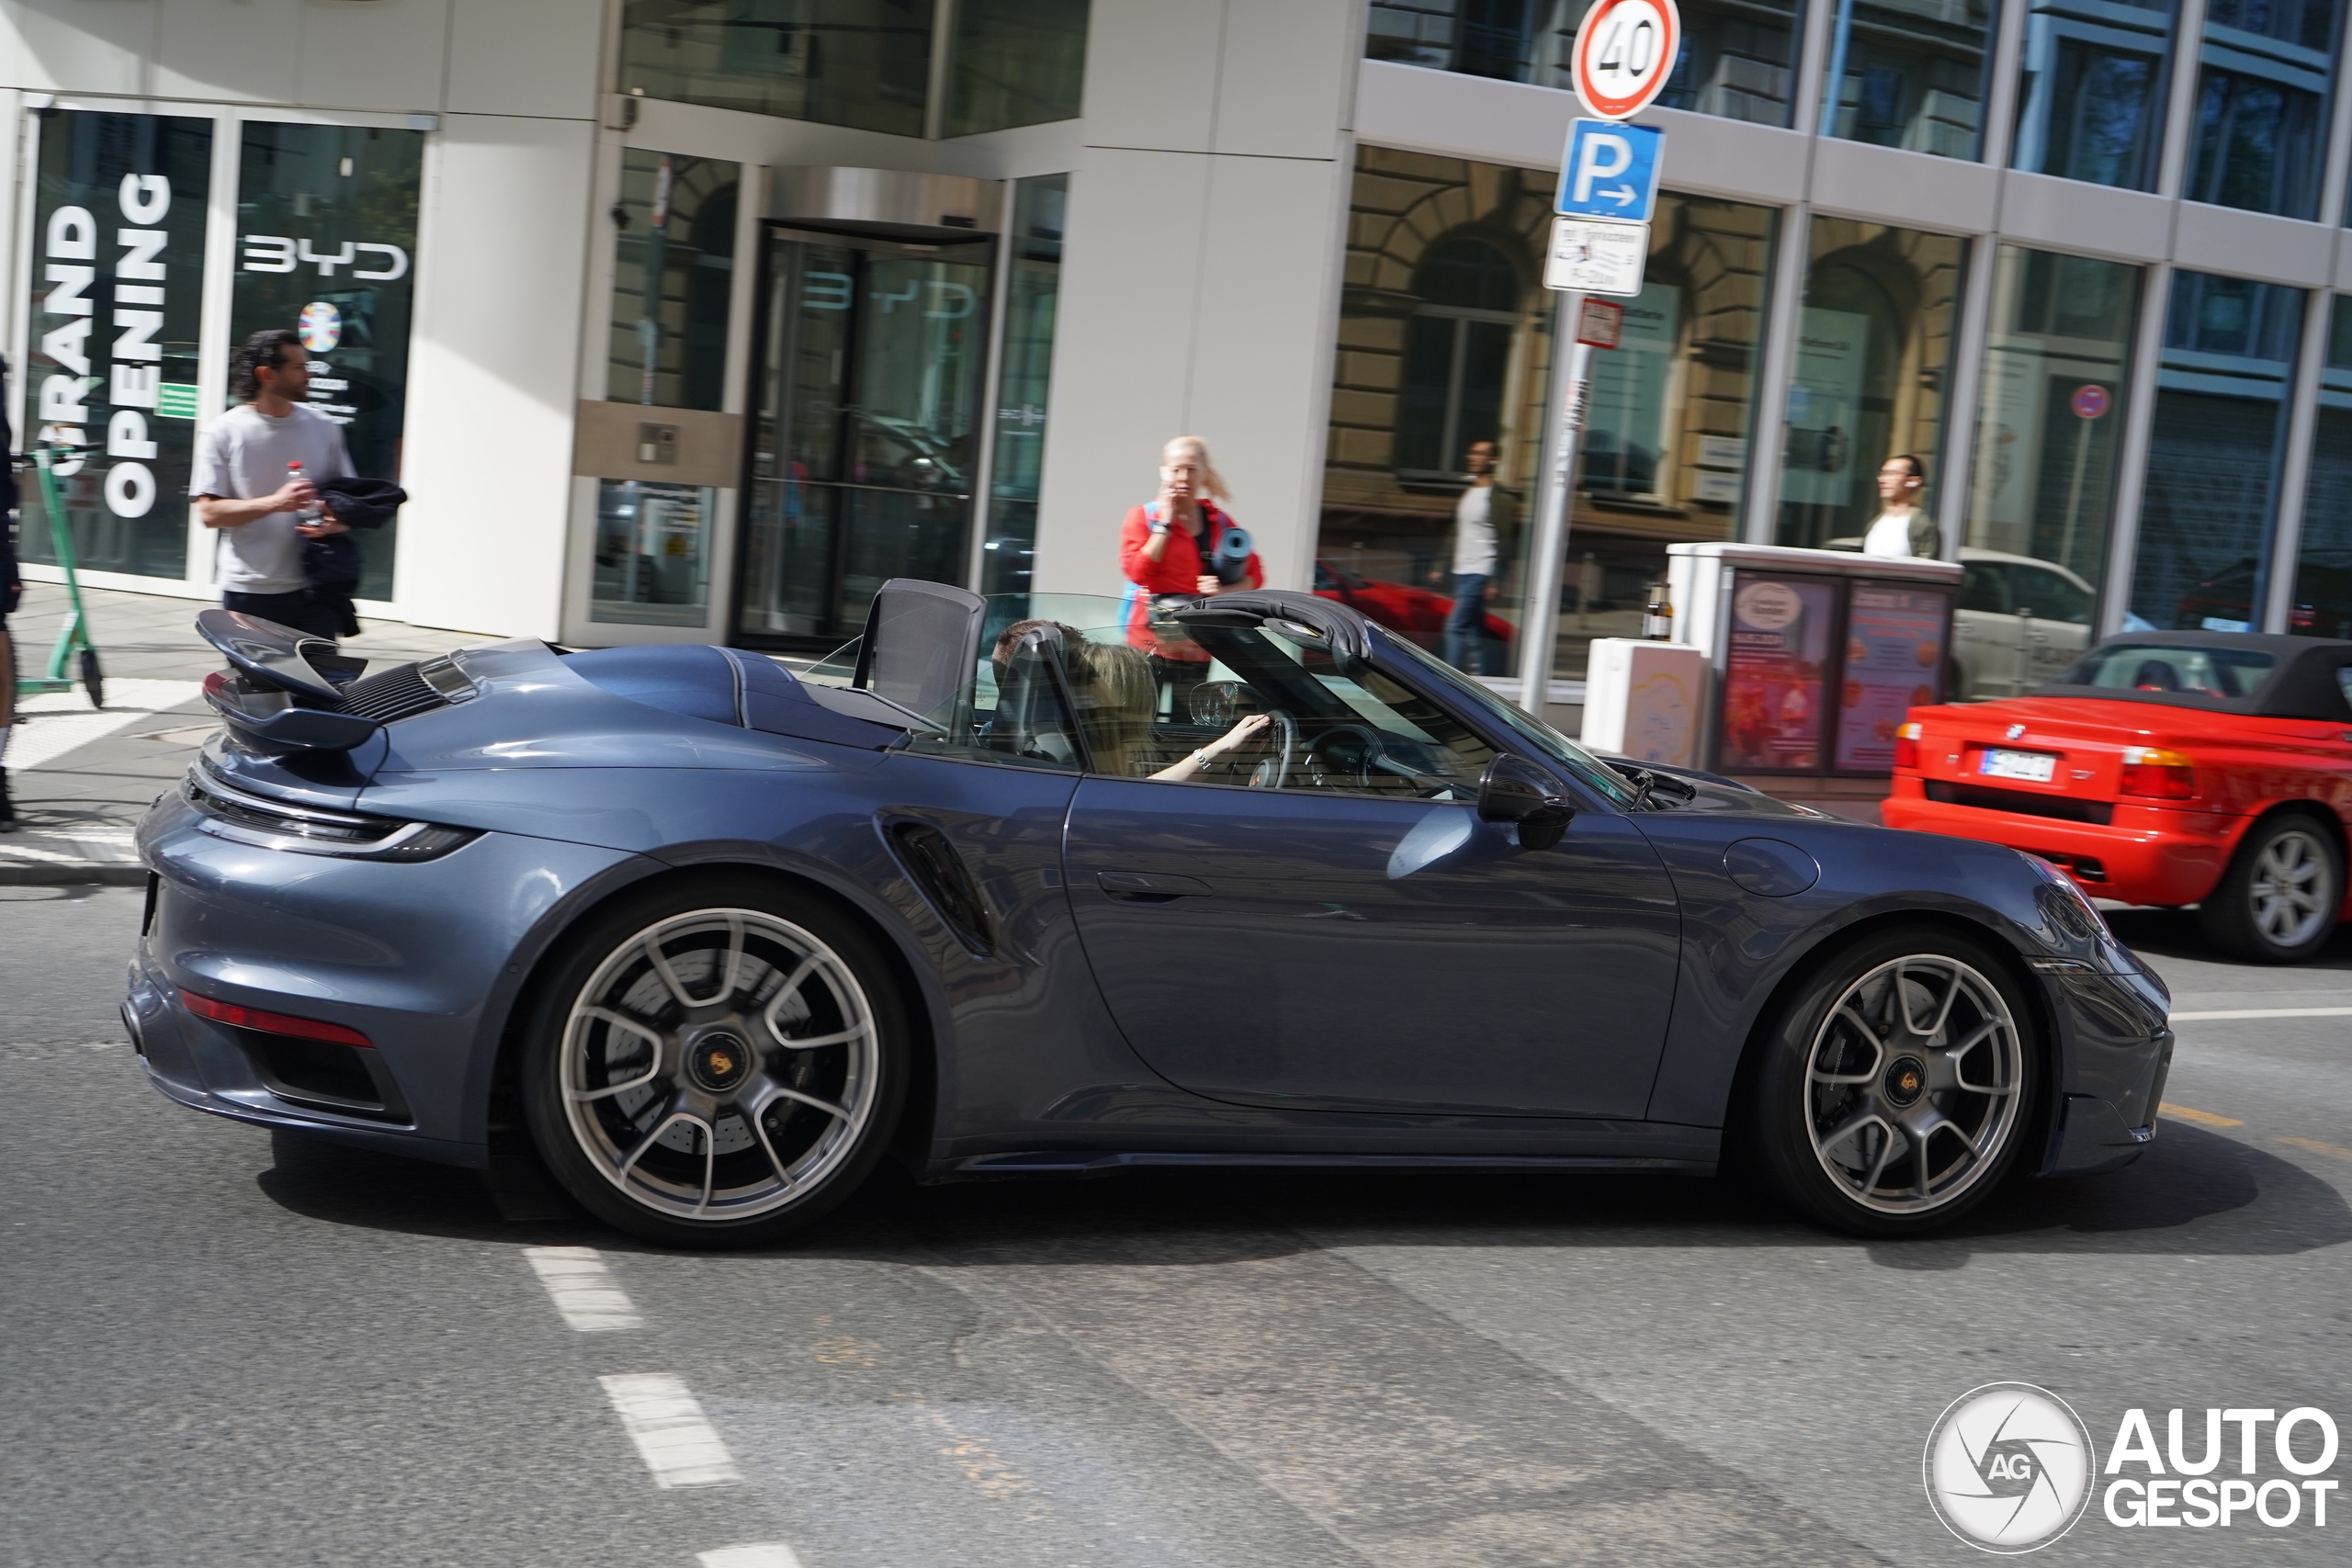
(1812,656)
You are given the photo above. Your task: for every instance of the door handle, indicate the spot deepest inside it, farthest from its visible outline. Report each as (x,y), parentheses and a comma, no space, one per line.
(1149,887)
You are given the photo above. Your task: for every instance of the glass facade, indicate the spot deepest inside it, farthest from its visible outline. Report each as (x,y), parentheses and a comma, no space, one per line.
(2261,131)
(1738,57)
(1910,73)
(2049,431)
(858,62)
(2213,467)
(673,275)
(1024,373)
(1872,359)
(1017,63)
(2322,603)
(2091,103)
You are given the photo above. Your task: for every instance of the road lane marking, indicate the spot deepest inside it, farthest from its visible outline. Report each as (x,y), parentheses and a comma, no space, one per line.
(673,1436)
(2202,1118)
(2313,1145)
(583,1289)
(2260,1012)
(762,1555)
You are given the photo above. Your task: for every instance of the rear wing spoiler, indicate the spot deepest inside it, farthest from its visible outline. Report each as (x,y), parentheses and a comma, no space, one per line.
(283,689)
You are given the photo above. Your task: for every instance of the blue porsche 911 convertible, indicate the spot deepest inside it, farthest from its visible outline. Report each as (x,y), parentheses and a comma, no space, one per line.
(995,893)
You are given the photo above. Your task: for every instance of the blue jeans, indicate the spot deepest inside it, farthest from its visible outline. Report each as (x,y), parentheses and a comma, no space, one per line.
(1465,623)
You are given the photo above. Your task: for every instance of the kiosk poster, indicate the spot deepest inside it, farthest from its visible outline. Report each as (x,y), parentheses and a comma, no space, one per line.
(1894,656)
(326,228)
(1776,675)
(118,299)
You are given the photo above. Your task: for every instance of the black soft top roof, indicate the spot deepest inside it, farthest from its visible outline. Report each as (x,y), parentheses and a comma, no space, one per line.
(2303,684)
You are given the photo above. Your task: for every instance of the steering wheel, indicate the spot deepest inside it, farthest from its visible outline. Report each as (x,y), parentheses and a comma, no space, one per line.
(1275,771)
(1360,773)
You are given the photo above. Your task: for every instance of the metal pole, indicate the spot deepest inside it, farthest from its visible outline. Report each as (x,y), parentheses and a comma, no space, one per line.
(1538,623)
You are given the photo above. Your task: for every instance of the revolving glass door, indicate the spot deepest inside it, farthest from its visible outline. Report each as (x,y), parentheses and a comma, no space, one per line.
(866,428)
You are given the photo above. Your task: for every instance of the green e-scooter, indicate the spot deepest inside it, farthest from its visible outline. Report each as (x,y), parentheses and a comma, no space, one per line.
(75,635)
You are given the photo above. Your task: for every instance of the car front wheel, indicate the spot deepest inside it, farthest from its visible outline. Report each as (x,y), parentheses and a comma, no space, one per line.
(2278,900)
(716,1065)
(1897,1087)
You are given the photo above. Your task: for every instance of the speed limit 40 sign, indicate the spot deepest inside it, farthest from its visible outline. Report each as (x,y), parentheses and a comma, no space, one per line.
(1626,51)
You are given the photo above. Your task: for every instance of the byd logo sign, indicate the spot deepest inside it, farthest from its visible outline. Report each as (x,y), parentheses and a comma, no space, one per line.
(2009,1468)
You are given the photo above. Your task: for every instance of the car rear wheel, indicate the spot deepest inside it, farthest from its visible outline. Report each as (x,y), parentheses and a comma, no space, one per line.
(2276,902)
(1897,1086)
(716,1065)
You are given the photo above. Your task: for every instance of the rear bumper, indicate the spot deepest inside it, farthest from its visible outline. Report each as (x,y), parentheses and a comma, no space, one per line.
(2146,855)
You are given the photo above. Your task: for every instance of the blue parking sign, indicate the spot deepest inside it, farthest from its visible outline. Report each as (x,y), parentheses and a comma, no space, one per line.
(1609,171)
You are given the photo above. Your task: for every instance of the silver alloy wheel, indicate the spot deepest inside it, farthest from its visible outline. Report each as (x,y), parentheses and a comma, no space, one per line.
(2289,887)
(718,1065)
(1912,1084)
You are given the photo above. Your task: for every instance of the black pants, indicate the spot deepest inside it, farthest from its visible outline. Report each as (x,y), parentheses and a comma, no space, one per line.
(297,610)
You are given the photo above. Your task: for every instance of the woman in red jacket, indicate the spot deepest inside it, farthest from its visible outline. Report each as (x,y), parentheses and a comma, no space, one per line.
(1169,549)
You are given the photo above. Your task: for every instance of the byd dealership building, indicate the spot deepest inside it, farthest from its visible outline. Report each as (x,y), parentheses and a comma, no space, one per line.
(699,319)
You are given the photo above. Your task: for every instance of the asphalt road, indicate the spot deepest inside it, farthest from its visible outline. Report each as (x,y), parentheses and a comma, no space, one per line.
(220,1347)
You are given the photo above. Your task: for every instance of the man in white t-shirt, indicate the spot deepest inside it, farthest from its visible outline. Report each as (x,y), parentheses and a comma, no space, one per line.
(1481,518)
(242,487)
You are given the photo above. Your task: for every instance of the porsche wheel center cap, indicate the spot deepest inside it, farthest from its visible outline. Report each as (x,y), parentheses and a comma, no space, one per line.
(1907,1080)
(719,1062)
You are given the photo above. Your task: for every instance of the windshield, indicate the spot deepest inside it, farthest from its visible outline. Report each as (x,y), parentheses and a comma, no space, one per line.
(2231,672)
(1591,770)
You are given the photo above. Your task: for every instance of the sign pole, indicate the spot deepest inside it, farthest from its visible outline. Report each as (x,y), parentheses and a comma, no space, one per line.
(1539,622)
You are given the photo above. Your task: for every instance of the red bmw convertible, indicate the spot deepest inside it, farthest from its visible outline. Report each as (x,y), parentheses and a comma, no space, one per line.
(2173,768)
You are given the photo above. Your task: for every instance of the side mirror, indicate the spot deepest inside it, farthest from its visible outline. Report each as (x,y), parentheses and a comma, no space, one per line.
(1515,790)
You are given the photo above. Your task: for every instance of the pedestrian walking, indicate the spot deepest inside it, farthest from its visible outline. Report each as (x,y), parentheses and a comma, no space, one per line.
(1481,518)
(1180,547)
(1902,528)
(247,485)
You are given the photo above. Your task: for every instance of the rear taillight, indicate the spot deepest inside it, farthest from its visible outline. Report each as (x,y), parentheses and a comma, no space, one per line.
(2157,774)
(1906,746)
(263,1022)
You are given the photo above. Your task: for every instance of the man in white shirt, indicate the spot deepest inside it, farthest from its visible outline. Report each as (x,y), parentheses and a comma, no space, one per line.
(242,487)
(1902,528)
(1480,519)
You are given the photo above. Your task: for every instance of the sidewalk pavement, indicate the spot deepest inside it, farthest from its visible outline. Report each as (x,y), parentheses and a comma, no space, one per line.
(82,777)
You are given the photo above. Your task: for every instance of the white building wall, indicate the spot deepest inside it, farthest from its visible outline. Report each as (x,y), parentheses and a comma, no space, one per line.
(1201,271)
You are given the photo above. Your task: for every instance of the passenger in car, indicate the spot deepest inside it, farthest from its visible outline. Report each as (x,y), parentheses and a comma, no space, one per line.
(1118,698)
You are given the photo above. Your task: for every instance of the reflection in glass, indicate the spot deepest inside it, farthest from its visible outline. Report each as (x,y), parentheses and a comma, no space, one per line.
(1445,336)
(858,62)
(2092,102)
(1017,63)
(1872,354)
(2262,105)
(1910,74)
(2049,416)
(2322,604)
(652,554)
(1737,60)
(673,271)
(2213,467)
(1032,297)
(864,429)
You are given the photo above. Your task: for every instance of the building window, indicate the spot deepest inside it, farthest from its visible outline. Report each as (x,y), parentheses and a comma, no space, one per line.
(2322,603)
(673,279)
(2092,104)
(2262,105)
(1457,355)
(2049,424)
(652,554)
(857,62)
(1910,76)
(1873,350)
(1017,63)
(1441,251)
(1025,370)
(2213,467)
(1738,57)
